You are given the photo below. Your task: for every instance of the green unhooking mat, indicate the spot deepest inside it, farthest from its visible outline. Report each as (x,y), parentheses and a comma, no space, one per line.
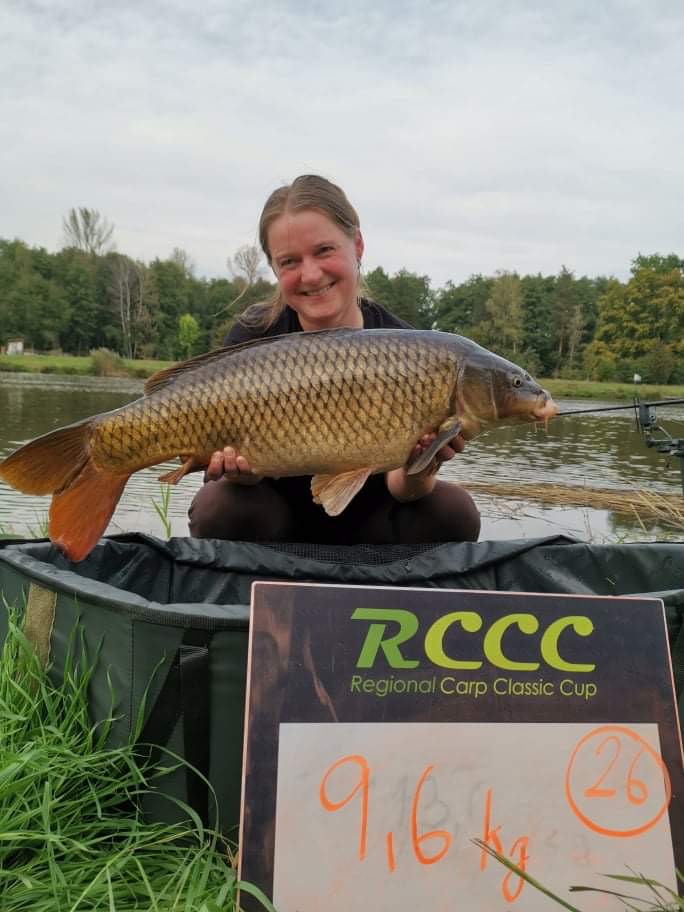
(169,622)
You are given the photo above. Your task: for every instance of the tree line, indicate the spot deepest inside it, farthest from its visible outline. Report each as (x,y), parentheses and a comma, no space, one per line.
(88,296)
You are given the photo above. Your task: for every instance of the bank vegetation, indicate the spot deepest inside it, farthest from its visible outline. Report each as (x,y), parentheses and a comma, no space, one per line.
(87,297)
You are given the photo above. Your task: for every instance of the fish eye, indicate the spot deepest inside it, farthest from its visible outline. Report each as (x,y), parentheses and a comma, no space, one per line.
(516,381)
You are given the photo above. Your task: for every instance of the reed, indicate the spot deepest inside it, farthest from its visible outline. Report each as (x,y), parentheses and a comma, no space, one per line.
(162,507)
(666,509)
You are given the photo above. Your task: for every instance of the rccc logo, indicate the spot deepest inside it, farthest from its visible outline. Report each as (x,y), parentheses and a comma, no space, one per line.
(390,641)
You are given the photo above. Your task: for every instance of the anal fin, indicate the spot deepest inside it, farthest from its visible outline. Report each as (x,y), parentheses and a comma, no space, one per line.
(334,492)
(191,464)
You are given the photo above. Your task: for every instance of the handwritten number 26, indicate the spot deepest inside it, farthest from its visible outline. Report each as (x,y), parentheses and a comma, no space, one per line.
(636,789)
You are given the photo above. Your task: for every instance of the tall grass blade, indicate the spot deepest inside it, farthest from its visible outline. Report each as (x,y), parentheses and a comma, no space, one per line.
(162,508)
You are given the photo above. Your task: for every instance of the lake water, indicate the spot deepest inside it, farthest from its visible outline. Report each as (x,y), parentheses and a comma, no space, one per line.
(602,450)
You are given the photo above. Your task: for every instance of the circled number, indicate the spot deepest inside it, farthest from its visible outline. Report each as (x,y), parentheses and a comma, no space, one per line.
(611,739)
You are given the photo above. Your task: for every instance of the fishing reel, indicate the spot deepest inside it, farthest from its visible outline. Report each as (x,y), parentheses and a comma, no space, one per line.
(655,435)
(647,424)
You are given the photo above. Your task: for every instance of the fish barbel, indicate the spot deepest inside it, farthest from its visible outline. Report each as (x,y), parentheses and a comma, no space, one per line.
(338,404)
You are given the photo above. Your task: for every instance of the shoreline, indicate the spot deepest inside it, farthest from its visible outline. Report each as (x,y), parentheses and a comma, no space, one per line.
(62,374)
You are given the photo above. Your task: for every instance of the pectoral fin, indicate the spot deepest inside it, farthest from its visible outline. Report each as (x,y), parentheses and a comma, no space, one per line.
(334,492)
(447,430)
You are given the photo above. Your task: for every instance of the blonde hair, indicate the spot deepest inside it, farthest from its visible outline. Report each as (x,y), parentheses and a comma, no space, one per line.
(308,191)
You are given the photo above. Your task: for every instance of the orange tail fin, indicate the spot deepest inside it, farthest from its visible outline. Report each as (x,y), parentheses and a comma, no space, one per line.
(84,498)
(79,514)
(49,463)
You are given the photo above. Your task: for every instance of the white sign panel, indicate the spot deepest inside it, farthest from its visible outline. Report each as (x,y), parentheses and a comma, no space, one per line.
(384,817)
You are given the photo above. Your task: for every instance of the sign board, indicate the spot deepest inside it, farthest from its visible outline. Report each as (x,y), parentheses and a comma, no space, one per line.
(389,728)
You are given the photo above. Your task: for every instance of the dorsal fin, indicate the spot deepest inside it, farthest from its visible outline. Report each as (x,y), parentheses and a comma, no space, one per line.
(163,377)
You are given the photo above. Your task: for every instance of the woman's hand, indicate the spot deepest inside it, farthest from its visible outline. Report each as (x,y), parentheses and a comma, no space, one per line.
(227,464)
(404,487)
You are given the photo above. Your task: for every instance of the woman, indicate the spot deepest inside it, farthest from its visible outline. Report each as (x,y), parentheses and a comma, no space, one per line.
(312,240)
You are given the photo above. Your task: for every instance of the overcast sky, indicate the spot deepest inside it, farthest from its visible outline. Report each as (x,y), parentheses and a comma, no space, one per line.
(470,136)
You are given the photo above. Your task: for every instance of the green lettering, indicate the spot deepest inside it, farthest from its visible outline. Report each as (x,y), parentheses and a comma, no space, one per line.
(527,623)
(434,639)
(375,638)
(582,626)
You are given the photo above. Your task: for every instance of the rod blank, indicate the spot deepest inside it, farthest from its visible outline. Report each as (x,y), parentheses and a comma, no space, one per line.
(614,408)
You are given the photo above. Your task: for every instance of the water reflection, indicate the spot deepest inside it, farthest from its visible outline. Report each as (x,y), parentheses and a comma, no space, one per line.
(599,450)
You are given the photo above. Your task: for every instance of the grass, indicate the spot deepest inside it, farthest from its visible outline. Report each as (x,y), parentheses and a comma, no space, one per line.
(74,364)
(657,897)
(149,366)
(51,364)
(38,530)
(70,835)
(162,506)
(590,389)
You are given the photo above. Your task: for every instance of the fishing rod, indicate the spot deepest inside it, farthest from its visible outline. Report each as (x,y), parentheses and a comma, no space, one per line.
(646,423)
(614,408)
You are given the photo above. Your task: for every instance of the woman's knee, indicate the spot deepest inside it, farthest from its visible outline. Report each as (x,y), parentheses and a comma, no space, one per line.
(458,513)
(447,514)
(232,512)
(209,511)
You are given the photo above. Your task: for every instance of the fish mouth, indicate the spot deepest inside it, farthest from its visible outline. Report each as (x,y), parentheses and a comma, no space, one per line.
(546,409)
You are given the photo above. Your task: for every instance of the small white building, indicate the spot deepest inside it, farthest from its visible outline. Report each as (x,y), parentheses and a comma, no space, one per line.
(15,346)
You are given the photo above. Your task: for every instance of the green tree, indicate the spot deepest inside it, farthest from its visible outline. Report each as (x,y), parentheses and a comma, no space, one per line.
(406,294)
(457,308)
(32,303)
(567,318)
(588,292)
(502,329)
(15,256)
(76,274)
(38,310)
(188,334)
(379,286)
(172,293)
(537,322)
(655,262)
(642,323)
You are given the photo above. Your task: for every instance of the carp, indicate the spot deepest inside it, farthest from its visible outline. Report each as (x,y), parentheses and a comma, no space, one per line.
(337,404)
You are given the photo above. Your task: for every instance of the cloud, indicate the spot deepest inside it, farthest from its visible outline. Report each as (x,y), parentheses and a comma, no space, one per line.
(471,136)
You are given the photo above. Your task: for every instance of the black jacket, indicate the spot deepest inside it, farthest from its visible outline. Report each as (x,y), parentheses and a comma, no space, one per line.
(375,316)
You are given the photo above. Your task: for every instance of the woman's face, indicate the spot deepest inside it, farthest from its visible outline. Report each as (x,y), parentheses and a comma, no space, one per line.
(316,265)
